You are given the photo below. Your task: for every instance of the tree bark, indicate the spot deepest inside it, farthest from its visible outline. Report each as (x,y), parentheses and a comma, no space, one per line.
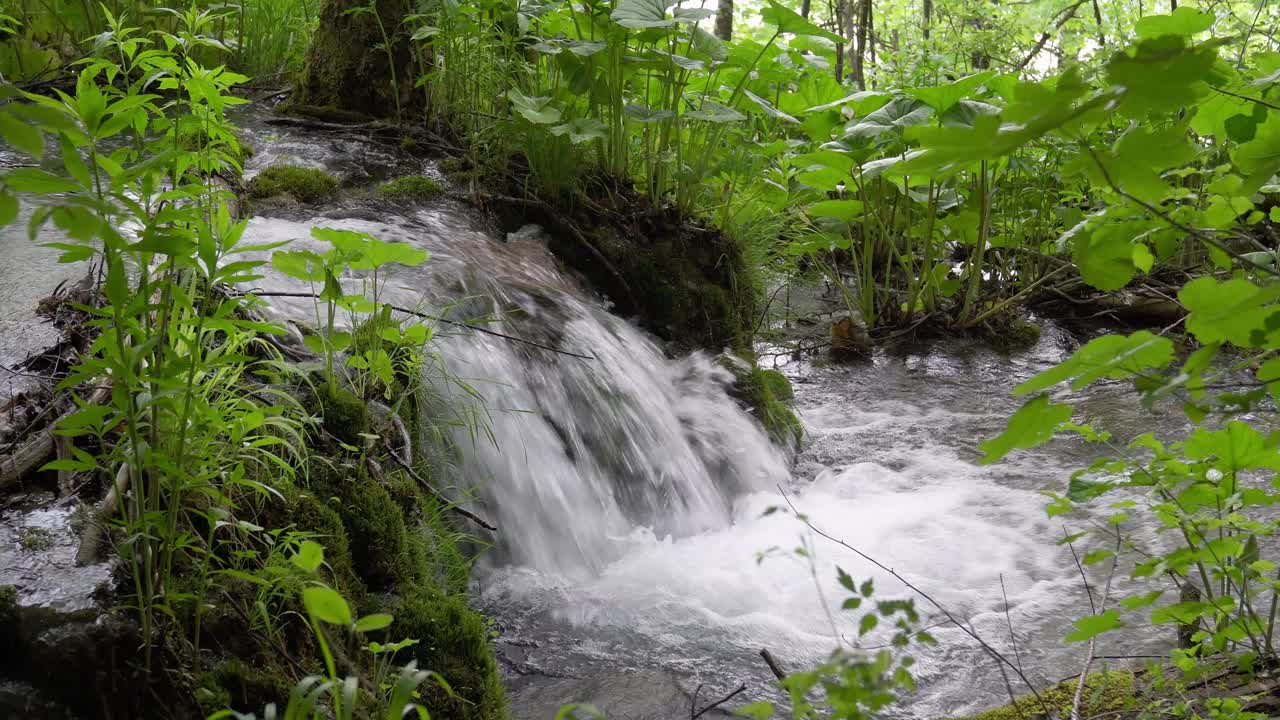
(927,8)
(805,7)
(860,49)
(346,71)
(724,20)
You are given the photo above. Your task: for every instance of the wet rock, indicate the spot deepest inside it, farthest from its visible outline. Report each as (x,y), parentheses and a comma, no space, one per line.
(849,337)
(639,695)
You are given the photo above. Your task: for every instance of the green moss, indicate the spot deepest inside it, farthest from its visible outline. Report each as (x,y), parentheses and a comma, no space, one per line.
(35,539)
(343,72)
(453,640)
(324,113)
(343,413)
(768,393)
(375,527)
(308,185)
(312,514)
(244,687)
(1105,693)
(411,188)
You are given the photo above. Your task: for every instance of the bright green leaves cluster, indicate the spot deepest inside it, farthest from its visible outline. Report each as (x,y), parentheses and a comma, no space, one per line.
(1033,424)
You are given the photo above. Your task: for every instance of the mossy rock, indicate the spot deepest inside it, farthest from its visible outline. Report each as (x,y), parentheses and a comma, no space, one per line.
(768,394)
(410,189)
(344,72)
(323,113)
(308,185)
(453,640)
(1105,694)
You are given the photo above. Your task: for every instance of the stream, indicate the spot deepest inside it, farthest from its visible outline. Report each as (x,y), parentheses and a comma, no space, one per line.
(638,557)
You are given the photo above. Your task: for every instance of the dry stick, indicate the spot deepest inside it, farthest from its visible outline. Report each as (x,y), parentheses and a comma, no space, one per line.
(448,503)
(1084,674)
(1013,639)
(772,662)
(1021,676)
(741,689)
(426,316)
(1068,13)
(693,704)
(1087,590)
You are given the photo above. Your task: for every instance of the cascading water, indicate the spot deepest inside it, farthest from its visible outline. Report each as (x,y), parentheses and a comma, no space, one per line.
(637,557)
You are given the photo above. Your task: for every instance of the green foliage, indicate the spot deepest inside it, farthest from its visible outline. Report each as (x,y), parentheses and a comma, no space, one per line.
(410,189)
(1105,692)
(769,393)
(309,185)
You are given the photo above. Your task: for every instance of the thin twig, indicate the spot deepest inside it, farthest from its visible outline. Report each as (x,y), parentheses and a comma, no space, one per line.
(1013,639)
(1084,674)
(448,503)
(910,586)
(266,293)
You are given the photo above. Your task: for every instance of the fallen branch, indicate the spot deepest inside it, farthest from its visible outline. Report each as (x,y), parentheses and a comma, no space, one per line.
(448,503)
(772,662)
(90,550)
(741,689)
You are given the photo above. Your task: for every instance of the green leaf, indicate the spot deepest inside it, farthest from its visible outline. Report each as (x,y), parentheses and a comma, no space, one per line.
(310,556)
(326,605)
(898,114)
(582,130)
(537,110)
(21,135)
(35,180)
(942,97)
(8,207)
(788,21)
(646,114)
(1110,356)
(768,108)
(642,14)
(299,264)
(843,210)
(1182,21)
(714,112)
(1034,423)
(369,623)
(1234,310)
(867,624)
(1094,625)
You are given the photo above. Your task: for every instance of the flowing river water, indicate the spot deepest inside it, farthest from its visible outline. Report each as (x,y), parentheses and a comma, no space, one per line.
(637,556)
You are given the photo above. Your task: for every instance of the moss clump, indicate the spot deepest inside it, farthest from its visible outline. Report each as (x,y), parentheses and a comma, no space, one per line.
(312,514)
(453,640)
(239,685)
(374,524)
(35,539)
(768,393)
(343,414)
(1105,693)
(308,185)
(411,188)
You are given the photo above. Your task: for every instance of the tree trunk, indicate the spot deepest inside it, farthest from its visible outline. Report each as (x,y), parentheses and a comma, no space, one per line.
(928,16)
(860,48)
(805,8)
(724,20)
(844,28)
(346,71)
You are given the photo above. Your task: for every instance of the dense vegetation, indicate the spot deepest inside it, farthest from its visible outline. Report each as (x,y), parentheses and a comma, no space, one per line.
(944,166)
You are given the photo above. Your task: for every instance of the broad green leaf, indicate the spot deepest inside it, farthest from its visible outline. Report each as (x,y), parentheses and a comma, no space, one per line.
(715,112)
(788,21)
(768,108)
(1103,252)
(1182,21)
(1237,447)
(8,207)
(310,556)
(537,110)
(370,623)
(646,114)
(1110,356)
(299,264)
(326,605)
(1235,311)
(35,180)
(898,114)
(582,130)
(21,135)
(844,210)
(942,97)
(1033,424)
(1093,625)
(642,13)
